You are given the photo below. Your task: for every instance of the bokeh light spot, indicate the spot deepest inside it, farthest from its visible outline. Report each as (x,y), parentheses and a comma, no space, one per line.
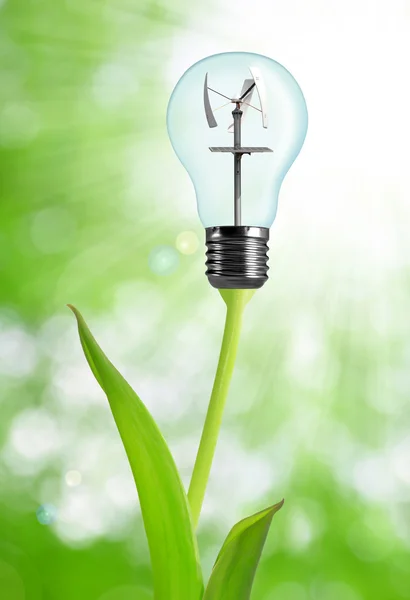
(300,530)
(86,512)
(374,479)
(187,242)
(73,478)
(34,435)
(17,352)
(163,260)
(401,460)
(52,230)
(120,490)
(46,514)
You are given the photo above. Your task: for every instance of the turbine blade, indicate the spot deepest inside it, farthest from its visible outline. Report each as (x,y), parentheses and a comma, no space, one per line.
(261,89)
(207,105)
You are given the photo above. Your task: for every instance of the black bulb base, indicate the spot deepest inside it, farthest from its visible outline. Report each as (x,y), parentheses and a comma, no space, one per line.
(237,257)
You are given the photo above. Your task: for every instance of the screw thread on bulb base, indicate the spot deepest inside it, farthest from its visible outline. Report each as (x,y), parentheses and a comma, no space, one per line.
(237,257)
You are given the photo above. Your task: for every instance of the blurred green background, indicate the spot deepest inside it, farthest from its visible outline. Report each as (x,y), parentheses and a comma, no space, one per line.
(318,411)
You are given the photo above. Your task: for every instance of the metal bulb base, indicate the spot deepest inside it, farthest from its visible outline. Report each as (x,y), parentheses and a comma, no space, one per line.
(237,256)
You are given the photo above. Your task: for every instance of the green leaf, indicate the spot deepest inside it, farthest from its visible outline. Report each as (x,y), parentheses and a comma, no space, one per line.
(235,566)
(164,506)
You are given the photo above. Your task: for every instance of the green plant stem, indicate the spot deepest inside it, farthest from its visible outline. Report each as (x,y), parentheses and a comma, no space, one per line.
(236,301)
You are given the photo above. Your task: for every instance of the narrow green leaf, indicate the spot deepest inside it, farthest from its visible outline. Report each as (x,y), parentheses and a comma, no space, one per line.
(234,570)
(164,505)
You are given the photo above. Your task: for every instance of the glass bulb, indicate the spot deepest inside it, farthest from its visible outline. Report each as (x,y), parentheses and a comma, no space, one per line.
(237,121)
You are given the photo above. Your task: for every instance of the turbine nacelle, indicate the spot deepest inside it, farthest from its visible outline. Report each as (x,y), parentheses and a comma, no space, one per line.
(242,99)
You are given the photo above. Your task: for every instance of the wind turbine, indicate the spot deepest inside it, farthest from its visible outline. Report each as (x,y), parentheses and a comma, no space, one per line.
(242,103)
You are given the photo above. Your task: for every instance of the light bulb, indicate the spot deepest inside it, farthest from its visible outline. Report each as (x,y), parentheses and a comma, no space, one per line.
(237,121)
